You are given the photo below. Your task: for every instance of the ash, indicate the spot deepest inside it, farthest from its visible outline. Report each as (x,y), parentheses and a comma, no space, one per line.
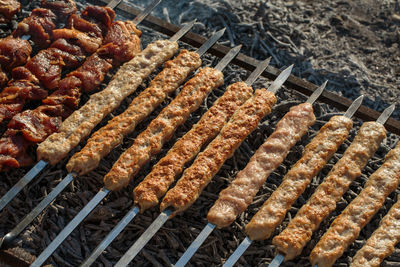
(353,44)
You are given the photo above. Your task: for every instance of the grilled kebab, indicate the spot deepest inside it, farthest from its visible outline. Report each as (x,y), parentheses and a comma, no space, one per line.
(347,226)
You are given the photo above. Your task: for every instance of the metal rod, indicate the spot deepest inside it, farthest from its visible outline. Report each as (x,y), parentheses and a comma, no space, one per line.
(70,227)
(386,114)
(207,230)
(238,252)
(144,238)
(139,18)
(111,236)
(282,77)
(182,31)
(210,42)
(314,96)
(22,183)
(277,261)
(354,107)
(8,238)
(257,72)
(228,58)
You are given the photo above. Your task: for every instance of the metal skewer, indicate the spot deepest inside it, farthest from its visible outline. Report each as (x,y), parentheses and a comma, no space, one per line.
(42,164)
(96,199)
(134,210)
(210,227)
(5,241)
(163,217)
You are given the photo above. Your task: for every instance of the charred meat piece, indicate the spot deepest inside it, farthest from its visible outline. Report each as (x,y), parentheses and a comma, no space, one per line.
(39,25)
(14,52)
(62,8)
(92,72)
(8,8)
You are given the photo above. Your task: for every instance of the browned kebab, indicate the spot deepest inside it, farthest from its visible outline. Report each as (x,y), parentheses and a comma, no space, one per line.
(120,43)
(15,50)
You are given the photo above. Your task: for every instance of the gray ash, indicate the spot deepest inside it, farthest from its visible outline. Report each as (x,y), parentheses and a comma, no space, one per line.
(177,234)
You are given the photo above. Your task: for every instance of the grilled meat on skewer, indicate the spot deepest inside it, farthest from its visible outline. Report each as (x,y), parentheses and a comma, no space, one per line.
(36,125)
(316,154)
(125,81)
(195,178)
(163,174)
(104,140)
(382,242)
(347,226)
(161,129)
(45,68)
(235,199)
(291,241)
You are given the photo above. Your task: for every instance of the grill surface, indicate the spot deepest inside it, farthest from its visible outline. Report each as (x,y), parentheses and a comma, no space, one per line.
(171,241)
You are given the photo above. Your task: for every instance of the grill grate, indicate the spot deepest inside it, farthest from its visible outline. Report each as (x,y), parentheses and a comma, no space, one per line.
(172,240)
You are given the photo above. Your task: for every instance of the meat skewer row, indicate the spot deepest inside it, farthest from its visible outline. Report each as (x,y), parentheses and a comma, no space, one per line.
(163,174)
(189,98)
(206,165)
(114,49)
(232,200)
(68,51)
(347,226)
(15,50)
(126,40)
(315,156)
(382,242)
(167,81)
(291,240)
(127,79)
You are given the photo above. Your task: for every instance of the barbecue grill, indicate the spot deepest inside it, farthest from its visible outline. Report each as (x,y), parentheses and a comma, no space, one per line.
(171,241)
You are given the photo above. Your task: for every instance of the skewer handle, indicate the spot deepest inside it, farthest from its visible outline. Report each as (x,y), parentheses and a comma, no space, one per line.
(70,227)
(277,261)
(111,236)
(143,239)
(22,183)
(5,241)
(195,245)
(238,252)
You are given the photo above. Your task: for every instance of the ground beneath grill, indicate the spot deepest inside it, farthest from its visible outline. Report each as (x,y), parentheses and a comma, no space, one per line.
(353,44)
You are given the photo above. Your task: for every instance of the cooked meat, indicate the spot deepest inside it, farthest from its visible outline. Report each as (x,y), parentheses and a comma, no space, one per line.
(299,231)
(81,122)
(88,43)
(8,8)
(34,126)
(92,72)
(347,226)
(39,25)
(103,16)
(47,66)
(62,8)
(382,242)
(104,140)
(316,154)
(161,129)
(163,174)
(120,45)
(3,78)
(14,52)
(207,163)
(13,151)
(235,199)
